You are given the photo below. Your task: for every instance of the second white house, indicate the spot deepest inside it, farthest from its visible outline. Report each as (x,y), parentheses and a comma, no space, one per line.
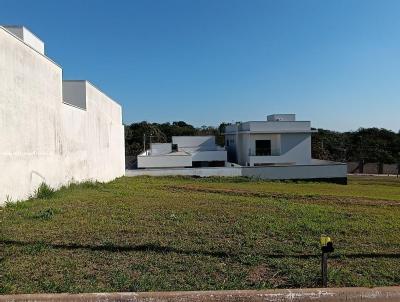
(278,140)
(184,151)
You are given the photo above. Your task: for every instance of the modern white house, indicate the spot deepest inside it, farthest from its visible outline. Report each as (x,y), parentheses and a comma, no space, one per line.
(278,140)
(184,151)
(51,130)
(279,148)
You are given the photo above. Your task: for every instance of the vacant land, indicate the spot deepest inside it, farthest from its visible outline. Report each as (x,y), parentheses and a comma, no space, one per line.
(146,234)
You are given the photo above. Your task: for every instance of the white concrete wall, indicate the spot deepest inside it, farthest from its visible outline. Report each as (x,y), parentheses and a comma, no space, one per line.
(320,171)
(282,117)
(30,127)
(27,36)
(297,172)
(286,148)
(33,41)
(275,127)
(93,138)
(196,142)
(201,172)
(292,148)
(164,161)
(160,148)
(41,138)
(275,143)
(209,156)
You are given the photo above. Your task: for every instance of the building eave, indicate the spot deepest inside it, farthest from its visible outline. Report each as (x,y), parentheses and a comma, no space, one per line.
(270,132)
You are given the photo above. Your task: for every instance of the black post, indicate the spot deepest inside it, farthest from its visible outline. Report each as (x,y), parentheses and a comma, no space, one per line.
(324,269)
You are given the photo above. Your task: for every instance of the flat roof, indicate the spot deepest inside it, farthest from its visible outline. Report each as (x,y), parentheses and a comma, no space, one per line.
(270,132)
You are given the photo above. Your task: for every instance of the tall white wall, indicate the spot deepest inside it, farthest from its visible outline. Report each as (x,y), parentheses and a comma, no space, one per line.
(30,127)
(44,140)
(106,150)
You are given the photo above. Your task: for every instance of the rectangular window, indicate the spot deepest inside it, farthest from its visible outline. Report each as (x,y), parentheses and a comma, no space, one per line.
(227,142)
(263,147)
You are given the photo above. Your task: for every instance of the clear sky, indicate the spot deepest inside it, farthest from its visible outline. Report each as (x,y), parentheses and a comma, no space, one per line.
(336,63)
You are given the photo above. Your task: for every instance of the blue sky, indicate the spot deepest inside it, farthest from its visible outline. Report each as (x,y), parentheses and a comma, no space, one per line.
(336,63)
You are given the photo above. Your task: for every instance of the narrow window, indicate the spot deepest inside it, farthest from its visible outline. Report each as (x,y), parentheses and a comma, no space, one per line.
(227,142)
(263,147)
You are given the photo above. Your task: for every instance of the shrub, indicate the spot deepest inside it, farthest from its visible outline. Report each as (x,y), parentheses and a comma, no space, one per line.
(44,192)
(46,214)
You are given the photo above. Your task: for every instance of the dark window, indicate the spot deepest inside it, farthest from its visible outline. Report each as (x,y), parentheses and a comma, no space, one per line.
(227,142)
(174,147)
(263,147)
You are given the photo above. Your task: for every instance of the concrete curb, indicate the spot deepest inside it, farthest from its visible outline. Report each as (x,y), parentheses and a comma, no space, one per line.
(348,294)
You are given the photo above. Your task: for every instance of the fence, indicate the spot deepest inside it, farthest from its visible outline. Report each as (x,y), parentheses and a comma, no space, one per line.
(372,168)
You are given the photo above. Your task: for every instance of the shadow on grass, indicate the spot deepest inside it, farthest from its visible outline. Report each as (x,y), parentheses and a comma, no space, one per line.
(166,249)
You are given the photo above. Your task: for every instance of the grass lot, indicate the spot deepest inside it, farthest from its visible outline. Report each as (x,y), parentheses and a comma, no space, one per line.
(147,234)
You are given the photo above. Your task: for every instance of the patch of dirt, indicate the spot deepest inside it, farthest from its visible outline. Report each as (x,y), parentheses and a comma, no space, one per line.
(263,274)
(292,197)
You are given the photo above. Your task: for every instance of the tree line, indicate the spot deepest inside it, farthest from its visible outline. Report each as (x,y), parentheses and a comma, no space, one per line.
(374,145)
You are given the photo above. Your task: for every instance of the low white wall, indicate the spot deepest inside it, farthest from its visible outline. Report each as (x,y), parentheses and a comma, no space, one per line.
(209,156)
(201,172)
(297,172)
(164,161)
(277,172)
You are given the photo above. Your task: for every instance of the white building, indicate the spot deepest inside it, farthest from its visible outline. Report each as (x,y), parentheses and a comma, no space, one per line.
(278,140)
(184,151)
(281,148)
(51,130)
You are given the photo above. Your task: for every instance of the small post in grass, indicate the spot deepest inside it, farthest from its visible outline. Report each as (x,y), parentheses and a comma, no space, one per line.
(326,247)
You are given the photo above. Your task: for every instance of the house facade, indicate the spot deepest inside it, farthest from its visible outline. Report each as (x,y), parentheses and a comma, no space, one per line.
(52,131)
(279,140)
(184,151)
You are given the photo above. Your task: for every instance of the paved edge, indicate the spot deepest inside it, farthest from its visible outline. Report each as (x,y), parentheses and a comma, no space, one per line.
(348,294)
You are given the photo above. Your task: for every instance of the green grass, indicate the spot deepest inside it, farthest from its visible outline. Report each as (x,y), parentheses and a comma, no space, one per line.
(176,233)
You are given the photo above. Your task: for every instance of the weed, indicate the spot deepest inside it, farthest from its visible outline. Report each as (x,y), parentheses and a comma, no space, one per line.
(44,192)
(45,214)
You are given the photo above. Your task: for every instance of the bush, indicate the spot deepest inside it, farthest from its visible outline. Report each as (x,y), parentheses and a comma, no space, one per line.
(44,192)
(46,214)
